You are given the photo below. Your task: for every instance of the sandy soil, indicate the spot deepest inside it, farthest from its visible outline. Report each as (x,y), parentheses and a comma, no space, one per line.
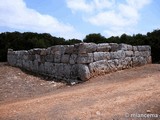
(121,95)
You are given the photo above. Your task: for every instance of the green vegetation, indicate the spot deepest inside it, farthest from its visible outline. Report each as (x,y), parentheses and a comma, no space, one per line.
(29,40)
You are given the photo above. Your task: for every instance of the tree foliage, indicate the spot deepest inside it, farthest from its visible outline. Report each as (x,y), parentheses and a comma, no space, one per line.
(96,38)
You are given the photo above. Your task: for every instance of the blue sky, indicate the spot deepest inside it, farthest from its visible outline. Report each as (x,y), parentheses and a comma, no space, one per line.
(77,18)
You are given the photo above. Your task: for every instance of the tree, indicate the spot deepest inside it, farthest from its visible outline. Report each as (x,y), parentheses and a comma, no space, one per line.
(94,37)
(72,41)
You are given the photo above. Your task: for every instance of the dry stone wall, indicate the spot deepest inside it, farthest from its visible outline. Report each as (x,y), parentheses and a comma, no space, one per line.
(80,61)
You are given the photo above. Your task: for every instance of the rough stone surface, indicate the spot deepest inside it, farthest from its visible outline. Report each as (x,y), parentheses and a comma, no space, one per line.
(99,67)
(65,58)
(103,47)
(85,58)
(86,48)
(114,47)
(49,58)
(80,61)
(117,55)
(135,48)
(83,72)
(70,49)
(57,57)
(129,53)
(73,59)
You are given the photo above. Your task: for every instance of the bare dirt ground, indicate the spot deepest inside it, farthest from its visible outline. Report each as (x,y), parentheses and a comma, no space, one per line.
(121,95)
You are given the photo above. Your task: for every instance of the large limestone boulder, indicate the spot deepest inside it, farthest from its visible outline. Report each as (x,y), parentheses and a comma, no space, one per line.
(147,47)
(65,58)
(136,53)
(120,54)
(26,64)
(103,47)
(70,49)
(86,47)
(129,53)
(74,72)
(48,51)
(59,70)
(57,57)
(49,58)
(35,66)
(48,66)
(112,65)
(125,47)
(11,57)
(37,51)
(67,71)
(73,59)
(98,67)
(85,58)
(41,68)
(135,48)
(149,59)
(138,61)
(101,56)
(58,49)
(114,47)
(83,72)
(145,53)
(143,48)
(43,52)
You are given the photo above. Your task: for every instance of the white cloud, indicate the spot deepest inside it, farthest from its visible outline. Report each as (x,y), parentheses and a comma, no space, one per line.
(128,12)
(109,19)
(88,7)
(16,15)
(102,4)
(79,5)
(138,4)
(111,15)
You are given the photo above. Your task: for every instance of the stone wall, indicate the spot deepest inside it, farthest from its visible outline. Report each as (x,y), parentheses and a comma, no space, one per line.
(80,61)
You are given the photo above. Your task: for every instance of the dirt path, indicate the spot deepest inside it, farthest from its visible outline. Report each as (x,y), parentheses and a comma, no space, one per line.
(108,97)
